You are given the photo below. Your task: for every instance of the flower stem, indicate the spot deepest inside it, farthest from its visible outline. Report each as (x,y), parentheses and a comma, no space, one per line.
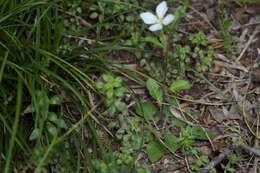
(165,62)
(166,51)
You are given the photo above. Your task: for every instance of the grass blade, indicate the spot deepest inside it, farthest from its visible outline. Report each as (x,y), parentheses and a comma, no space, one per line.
(15,126)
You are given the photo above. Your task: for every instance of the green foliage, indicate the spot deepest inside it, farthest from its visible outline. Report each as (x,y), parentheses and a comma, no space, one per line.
(155,68)
(130,133)
(232,159)
(227,168)
(171,141)
(189,135)
(56,100)
(119,12)
(154,90)
(201,134)
(42,103)
(198,39)
(154,41)
(32,34)
(146,109)
(178,85)
(199,162)
(183,57)
(35,134)
(58,121)
(114,91)
(187,139)
(155,151)
(121,162)
(224,24)
(205,62)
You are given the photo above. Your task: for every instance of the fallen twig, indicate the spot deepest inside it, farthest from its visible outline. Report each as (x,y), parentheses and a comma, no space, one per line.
(257,29)
(225,152)
(234,66)
(253,150)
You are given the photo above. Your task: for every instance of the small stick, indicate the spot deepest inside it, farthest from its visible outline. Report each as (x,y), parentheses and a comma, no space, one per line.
(187,164)
(90,41)
(234,66)
(210,141)
(196,101)
(253,150)
(257,29)
(248,24)
(225,152)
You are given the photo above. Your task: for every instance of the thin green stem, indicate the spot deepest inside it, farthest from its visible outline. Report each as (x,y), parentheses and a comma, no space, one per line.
(165,61)
(15,126)
(3,66)
(166,53)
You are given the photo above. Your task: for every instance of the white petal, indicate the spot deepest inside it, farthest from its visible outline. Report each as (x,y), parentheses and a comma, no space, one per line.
(168,19)
(155,27)
(161,9)
(148,18)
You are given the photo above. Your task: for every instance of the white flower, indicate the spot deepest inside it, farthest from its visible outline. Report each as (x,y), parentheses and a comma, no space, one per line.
(158,21)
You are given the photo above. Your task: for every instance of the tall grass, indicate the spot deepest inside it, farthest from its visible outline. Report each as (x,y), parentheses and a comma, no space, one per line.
(32,72)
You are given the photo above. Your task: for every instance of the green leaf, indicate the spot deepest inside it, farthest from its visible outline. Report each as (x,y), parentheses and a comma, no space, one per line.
(58,121)
(51,129)
(56,99)
(119,92)
(52,117)
(178,85)
(147,109)
(108,101)
(204,159)
(35,134)
(93,15)
(199,133)
(99,84)
(61,123)
(110,93)
(112,124)
(155,151)
(107,77)
(233,159)
(173,101)
(121,106)
(29,109)
(117,82)
(171,141)
(42,99)
(107,86)
(154,40)
(112,110)
(154,90)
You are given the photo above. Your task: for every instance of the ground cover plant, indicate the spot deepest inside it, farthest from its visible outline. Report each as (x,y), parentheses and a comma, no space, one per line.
(139,86)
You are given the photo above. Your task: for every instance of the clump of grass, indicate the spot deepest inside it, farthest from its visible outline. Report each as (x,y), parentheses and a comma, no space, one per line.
(35,80)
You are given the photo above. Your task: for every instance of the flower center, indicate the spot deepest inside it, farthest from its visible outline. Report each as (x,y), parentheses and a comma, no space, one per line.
(160,21)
